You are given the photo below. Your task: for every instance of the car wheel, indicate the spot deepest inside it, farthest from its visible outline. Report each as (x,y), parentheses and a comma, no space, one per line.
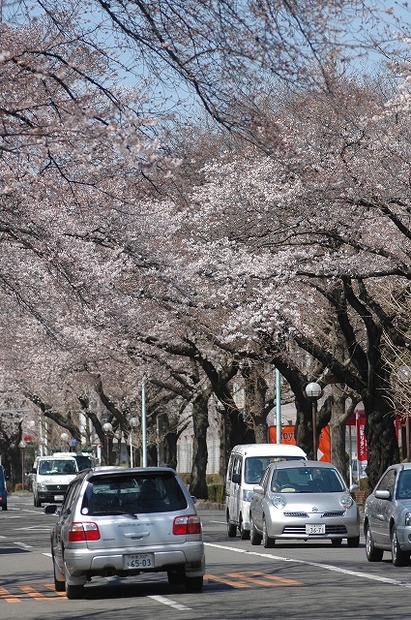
(37,502)
(74,592)
(231,529)
(193,584)
(59,586)
(399,558)
(267,541)
(336,542)
(354,541)
(4,506)
(255,537)
(372,554)
(244,534)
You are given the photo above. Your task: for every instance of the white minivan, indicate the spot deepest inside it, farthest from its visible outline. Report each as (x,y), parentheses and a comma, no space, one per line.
(245,468)
(52,474)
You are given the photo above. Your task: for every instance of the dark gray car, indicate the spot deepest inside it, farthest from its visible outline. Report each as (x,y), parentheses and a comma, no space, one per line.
(387,516)
(117,521)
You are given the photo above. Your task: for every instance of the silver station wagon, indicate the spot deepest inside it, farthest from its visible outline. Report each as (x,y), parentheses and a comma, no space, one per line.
(387,516)
(306,501)
(117,521)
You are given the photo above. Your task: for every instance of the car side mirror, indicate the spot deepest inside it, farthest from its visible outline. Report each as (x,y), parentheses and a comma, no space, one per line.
(258,488)
(52,509)
(382,494)
(236,478)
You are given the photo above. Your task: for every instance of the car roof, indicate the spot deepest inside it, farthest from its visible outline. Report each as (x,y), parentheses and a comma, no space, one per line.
(103,470)
(268,449)
(298,463)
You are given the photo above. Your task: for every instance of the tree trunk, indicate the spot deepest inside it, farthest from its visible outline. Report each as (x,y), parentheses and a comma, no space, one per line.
(381,439)
(255,388)
(198,484)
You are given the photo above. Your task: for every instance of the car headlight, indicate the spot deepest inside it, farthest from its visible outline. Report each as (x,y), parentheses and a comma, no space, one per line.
(42,486)
(247,495)
(408,518)
(346,501)
(278,502)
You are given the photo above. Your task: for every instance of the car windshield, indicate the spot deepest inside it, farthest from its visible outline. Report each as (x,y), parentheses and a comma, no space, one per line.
(255,466)
(404,485)
(307,480)
(57,467)
(132,494)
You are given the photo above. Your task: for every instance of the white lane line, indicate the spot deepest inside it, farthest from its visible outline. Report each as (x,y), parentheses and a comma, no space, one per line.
(22,545)
(170,603)
(334,569)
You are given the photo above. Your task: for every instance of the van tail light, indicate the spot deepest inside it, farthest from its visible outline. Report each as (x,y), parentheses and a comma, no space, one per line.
(188,524)
(83,532)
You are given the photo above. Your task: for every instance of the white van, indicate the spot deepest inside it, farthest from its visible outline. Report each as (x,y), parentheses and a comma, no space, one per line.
(245,468)
(52,474)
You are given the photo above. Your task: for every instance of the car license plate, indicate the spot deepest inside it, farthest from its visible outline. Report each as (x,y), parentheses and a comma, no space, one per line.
(139,560)
(58,498)
(315,528)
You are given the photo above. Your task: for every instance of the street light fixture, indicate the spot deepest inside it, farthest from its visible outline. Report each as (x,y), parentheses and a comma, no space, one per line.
(107,429)
(64,439)
(313,392)
(133,423)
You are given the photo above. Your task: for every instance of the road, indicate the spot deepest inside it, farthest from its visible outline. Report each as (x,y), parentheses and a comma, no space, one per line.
(293,581)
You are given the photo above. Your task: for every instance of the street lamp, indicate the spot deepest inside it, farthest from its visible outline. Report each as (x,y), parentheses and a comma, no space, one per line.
(64,439)
(313,392)
(133,423)
(404,374)
(107,429)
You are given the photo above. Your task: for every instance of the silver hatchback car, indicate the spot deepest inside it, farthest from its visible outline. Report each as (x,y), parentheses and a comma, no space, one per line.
(306,501)
(117,521)
(387,516)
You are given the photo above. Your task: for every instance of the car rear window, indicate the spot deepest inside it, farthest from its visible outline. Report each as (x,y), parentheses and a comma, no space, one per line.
(136,493)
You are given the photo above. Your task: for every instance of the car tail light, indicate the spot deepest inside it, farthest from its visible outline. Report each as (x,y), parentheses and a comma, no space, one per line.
(189,524)
(81,532)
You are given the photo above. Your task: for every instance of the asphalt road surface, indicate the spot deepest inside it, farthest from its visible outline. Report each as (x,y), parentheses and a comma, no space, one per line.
(291,581)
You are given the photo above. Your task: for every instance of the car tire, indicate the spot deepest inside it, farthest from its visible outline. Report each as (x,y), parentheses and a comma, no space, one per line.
(37,502)
(255,537)
(74,592)
(354,541)
(59,586)
(231,529)
(268,542)
(193,584)
(4,506)
(399,557)
(372,553)
(244,534)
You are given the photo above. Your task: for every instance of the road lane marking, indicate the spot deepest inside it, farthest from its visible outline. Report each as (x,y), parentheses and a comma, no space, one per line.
(263,579)
(234,583)
(329,567)
(167,601)
(32,593)
(22,545)
(7,596)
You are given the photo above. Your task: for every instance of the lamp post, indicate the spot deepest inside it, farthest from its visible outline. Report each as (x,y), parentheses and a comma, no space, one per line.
(404,373)
(22,446)
(108,429)
(313,392)
(133,423)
